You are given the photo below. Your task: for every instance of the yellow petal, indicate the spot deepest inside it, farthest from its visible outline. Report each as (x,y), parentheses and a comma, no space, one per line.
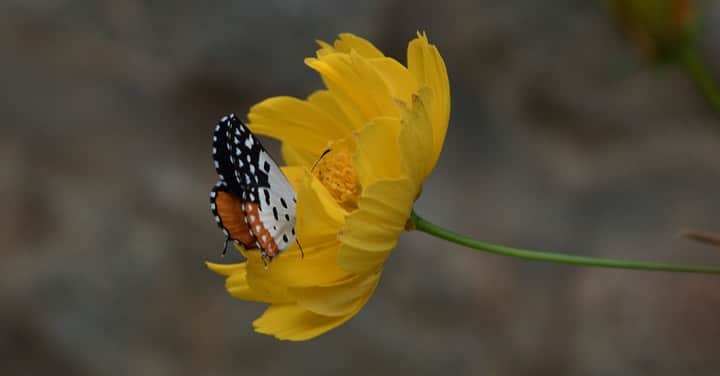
(373,230)
(355,84)
(350,42)
(237,285)
(225,269)
(298,123)
(325,48)
(401,83)
(296,157)
(295,175)
(319,217)
(416,138)
(358,260)
(428,67)
(340,298)
(295,323)
(377,154)
(290,269)
(324,99)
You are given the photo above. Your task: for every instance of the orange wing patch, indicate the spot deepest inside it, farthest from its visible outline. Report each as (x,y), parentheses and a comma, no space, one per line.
(266,241)
(229,208)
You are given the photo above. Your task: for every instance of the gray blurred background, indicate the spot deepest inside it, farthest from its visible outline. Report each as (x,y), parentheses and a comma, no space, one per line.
(561,138)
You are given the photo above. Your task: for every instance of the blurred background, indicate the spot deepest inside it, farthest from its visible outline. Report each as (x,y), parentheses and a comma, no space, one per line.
(569,132)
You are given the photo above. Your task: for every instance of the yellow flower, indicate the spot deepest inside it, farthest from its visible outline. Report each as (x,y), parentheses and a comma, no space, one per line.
(384,125)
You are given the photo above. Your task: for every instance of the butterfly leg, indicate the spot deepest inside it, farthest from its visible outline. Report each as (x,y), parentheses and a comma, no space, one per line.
(224,251)
(302,253)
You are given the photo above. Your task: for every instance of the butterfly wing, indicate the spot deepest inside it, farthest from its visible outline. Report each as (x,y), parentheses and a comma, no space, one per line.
(269,198)
(226,197)
(277,202)
(222,154)
(227,210)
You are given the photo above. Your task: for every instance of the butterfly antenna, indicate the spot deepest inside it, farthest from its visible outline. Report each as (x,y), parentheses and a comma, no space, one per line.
(224,248)
(319,159)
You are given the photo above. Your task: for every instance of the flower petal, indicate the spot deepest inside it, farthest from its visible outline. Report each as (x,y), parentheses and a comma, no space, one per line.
(298,123)
(373,230)
(295,323)
(319,217)
(355,84)
(428,67)
(401,83)
(325,48)
(296,157)
(324,99)
(358,260)
(292,269)
(348,42)
(295,175)
(416,138)
(377,154)
(225,269)
(237,285)
(338,299)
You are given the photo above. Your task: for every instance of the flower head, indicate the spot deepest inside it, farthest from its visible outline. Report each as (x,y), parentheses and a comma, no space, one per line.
(357,154)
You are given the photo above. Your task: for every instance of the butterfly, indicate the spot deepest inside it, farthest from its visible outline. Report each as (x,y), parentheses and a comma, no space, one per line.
(252,202)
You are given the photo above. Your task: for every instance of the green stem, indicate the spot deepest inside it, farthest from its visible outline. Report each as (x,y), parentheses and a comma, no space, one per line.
(700,74)
(434,230)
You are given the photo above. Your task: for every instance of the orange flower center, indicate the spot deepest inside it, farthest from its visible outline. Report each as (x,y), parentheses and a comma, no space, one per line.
(335,171)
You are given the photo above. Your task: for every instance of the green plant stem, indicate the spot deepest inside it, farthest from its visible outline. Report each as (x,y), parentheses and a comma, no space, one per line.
(700,74)
(421,224)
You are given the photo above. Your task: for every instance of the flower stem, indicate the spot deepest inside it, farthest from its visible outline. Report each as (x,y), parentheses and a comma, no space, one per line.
(421,224)
(701,75)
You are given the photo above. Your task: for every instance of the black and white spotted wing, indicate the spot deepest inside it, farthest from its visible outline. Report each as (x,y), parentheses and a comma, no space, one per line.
(264,184)
(255,186)
(223,158)
(226,196)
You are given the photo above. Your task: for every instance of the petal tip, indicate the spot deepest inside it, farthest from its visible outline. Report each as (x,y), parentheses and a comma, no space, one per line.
(224,269)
